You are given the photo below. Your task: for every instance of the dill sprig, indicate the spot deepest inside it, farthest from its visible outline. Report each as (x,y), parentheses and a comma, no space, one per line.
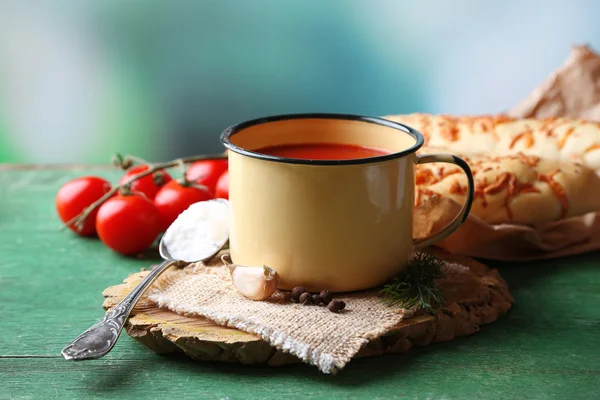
(414,288)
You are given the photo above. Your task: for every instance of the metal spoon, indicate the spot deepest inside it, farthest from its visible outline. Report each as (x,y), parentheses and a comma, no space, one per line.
(100,338)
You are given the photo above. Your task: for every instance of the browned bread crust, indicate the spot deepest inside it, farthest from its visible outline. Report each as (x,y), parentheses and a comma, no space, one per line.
(564,139)
(514,188)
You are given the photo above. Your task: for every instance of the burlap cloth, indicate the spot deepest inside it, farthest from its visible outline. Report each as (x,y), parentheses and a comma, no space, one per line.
(312,333)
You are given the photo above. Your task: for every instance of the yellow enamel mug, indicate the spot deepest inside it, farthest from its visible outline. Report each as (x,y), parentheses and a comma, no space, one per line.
(341,225)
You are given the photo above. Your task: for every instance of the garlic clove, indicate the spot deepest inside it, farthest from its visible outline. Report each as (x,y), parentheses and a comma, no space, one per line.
(255,283)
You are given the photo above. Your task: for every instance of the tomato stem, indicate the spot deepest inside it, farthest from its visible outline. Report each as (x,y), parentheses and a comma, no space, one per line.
(120,162)
(182,168)
(136,160)
(159,178)
(80,218)
(125,190)
(128,161)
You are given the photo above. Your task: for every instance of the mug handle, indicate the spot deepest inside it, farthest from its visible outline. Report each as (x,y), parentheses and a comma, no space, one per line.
(462,215)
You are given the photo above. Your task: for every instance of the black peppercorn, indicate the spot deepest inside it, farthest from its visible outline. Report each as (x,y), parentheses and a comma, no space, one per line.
(335,305)
(316,299)
(325,296)
(287,296)
(342,305)
(305,298)
(297,292)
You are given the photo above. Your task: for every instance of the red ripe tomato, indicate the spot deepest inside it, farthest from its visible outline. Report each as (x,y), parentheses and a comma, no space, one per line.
(222,190)
(206,172)
(174,198)
(149,185)
(74,196)
(128,224)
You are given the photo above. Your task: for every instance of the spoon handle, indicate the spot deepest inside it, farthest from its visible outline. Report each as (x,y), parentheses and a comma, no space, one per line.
(101,337)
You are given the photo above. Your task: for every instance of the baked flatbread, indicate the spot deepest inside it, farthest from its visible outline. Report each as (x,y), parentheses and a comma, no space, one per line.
(564,139)
(513,188)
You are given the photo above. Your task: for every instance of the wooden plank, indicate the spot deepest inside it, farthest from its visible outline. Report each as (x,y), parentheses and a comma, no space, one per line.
(547,346)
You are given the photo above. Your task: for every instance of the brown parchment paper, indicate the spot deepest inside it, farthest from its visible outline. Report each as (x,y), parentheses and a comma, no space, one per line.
(572,91)
(508,242)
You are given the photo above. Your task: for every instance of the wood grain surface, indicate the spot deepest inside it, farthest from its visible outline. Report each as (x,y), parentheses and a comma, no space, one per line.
(546,346)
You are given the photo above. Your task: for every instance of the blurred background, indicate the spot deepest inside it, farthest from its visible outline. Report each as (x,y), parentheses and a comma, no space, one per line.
(80,80)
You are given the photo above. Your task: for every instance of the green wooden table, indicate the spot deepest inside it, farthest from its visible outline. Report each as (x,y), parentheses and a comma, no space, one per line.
(547,346)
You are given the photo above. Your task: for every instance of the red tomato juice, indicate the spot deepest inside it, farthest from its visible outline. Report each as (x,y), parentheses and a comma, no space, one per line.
(323,151)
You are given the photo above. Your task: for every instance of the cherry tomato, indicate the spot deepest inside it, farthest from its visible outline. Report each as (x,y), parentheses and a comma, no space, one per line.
(149,185)
(207,172)
(74,196)
(174,198)
(222,190)
(128,224)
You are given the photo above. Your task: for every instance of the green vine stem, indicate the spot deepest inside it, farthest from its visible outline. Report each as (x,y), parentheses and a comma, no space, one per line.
(136,160)
(182,169)
(184,181)
(128,161)
(79,219)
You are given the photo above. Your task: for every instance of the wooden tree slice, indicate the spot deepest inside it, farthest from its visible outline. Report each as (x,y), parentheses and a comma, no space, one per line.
(473,298)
